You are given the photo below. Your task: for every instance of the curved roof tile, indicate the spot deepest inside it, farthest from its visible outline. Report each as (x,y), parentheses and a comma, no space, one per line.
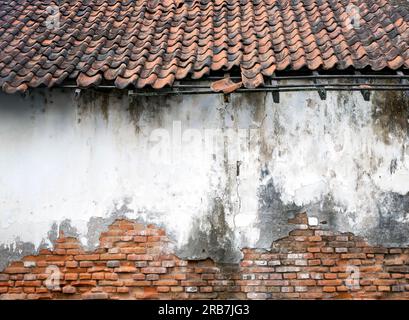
(155,42)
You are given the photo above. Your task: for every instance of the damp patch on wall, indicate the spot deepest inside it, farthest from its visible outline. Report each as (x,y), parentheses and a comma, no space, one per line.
(219,174)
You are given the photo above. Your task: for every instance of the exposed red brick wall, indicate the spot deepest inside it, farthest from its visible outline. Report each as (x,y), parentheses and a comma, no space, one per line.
(134,261)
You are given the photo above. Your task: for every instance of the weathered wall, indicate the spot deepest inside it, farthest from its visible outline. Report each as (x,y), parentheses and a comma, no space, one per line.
(77,165)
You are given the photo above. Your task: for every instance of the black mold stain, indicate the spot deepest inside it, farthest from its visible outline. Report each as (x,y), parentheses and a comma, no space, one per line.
(390,224)
(92,101)
(105,105)
(272,213)
(220,238)
(136,108)
(85,103)
(242,100)
(211,237)
(391,115)
(392,227)
(150,107)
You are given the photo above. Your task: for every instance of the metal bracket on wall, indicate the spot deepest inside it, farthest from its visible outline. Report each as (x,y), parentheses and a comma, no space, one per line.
(321,90)
(77,93)
(404,81)
(365,93)
(276,94)
(25,94)
(131,96)
(176,89)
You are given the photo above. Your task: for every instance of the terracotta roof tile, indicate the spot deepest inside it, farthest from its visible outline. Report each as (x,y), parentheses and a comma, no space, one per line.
(153,43)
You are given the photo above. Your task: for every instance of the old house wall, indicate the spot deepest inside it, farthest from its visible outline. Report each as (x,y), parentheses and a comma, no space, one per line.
(219,175)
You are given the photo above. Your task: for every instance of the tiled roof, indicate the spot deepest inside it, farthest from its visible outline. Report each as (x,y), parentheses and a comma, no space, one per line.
(155,42)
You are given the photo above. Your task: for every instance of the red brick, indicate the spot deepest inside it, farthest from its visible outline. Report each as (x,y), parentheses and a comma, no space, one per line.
(14,296)
(193,283)
(329,282)
(111,276)
(98,276)
(4,277)
(303,283)
(384,282)
(140,239)
(14,270)
(342,289)
(131,283)
(140,257)
(86,264)
(95,296)
(69,290)
(34,283)
(88,257)
(153,270)
(125,269)
(276,282)
(353,256)
(257,296)
(6,284)
(109,256)
(135,250)
(311,295)
(147,293)
(168,264)
(315,262)
(163,289)
(71,276)
(71,264)
(84,283)
(122,290)
(384,288)
(165,283)
(328,262)
(246,263)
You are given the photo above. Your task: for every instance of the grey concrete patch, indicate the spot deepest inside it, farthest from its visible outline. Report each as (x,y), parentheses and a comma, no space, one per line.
(273,214)
(14,252)
(211,237)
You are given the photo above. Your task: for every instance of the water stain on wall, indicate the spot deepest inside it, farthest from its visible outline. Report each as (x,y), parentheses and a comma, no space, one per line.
(211,237)
(284,131)
(391,115)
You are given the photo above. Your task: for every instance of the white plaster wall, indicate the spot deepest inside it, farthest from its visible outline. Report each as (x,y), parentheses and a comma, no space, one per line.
(65,159)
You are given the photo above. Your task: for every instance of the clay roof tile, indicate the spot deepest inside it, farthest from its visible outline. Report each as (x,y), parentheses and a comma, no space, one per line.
(153,43)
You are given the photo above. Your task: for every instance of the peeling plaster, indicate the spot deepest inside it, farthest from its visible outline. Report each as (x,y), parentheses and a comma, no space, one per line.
(76,166)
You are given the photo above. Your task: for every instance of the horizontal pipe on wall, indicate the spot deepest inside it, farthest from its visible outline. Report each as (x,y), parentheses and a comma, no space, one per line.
(297,89)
